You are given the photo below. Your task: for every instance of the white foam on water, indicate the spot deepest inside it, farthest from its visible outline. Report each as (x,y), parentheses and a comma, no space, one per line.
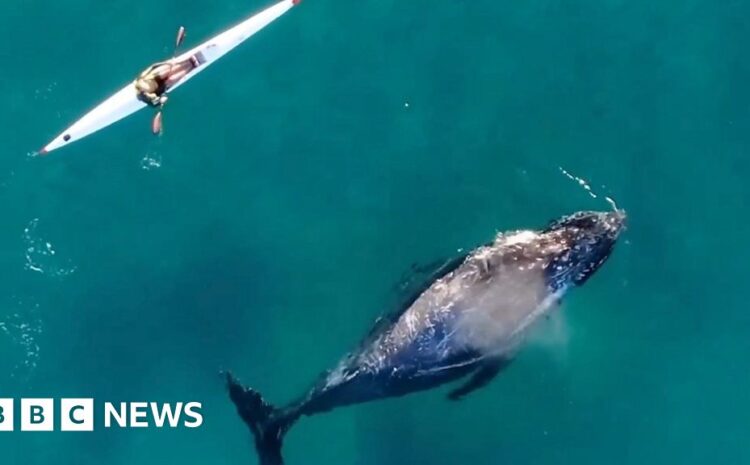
(151,161)
(580,181)
(40,255)
(45,92)
(21,327)
(587,187)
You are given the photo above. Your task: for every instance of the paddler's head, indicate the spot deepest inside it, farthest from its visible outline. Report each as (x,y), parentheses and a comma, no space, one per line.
(147,85)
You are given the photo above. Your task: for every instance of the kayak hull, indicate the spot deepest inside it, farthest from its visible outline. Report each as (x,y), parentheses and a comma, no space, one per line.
(125,102)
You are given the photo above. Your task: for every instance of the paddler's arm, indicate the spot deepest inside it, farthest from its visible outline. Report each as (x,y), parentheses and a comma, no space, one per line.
(153,98)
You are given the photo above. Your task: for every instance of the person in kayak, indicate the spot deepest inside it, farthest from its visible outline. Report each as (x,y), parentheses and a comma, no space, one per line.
(153,83)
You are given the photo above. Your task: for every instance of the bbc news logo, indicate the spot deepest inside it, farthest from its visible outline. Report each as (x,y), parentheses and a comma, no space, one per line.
(79,415)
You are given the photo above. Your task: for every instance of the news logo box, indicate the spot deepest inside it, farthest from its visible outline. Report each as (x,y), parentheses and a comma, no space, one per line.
(152,415)
(77,414)
(41,415)
(37,415)
(6,415)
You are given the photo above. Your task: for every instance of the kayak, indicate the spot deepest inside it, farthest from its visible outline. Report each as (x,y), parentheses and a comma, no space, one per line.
(125,102)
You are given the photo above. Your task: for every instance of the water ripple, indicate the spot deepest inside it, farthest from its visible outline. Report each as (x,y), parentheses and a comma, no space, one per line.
(40,255)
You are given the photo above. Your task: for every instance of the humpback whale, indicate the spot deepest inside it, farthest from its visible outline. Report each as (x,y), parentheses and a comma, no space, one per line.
(466,322)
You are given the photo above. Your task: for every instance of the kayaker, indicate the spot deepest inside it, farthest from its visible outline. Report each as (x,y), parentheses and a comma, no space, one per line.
(153,83)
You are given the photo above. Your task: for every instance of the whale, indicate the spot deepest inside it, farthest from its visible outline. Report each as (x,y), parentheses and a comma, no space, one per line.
(463,324)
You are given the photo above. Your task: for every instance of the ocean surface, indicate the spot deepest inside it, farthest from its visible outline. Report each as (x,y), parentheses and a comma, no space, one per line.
(301,178)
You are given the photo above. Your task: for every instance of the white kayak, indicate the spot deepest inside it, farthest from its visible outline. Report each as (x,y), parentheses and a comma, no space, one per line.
(125,102)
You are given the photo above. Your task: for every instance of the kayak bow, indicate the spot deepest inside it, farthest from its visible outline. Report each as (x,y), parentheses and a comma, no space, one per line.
(125,102)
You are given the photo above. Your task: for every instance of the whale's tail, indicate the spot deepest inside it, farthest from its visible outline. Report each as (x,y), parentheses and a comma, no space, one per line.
(267,423)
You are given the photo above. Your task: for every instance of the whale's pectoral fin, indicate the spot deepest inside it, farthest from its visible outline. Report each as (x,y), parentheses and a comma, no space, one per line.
(481,378)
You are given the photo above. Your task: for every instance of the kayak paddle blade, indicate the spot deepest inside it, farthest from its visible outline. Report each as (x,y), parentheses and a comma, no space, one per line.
(180,36)
(156,124)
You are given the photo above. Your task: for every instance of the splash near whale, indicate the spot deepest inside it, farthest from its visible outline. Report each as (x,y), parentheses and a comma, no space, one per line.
(465,323)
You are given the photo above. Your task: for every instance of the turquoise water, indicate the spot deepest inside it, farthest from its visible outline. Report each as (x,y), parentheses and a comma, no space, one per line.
(299,179)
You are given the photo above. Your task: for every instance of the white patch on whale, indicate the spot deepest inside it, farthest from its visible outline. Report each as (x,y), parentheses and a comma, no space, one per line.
(496,318)
(497,295)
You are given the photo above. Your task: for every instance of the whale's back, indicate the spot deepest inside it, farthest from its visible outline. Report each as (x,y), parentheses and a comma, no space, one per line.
(481,308)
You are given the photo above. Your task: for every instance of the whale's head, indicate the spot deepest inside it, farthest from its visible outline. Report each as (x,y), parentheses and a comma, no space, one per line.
(585,241)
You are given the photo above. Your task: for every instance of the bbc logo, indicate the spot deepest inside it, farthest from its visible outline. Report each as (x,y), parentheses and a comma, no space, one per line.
(39,415)
(78,415)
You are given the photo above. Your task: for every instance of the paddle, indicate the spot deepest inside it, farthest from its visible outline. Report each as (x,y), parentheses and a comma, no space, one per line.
(156,123)
(180,38)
